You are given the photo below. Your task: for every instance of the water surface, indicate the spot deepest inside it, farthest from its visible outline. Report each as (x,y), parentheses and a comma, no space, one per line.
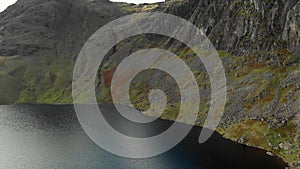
(50,136)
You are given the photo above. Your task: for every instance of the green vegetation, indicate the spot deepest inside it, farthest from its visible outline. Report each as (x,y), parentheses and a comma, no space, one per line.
(258,134)
(49,82)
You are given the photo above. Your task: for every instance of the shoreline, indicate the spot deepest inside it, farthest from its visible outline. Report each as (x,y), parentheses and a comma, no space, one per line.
(274,154)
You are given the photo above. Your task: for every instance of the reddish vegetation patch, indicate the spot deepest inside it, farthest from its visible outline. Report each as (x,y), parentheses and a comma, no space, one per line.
(107,76)
(282,52)
(247,106)
(255,141)
(249,122)
(287,129)
(284,100)
(185,50)
(282,70)
(243,73)
(268,98)
(262,124)
(240,130)
(256,65)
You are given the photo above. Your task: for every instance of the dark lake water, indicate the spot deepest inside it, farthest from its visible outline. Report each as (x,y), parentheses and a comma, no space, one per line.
(48,137)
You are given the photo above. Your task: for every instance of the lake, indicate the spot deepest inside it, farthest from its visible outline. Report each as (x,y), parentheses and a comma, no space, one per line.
(50,136)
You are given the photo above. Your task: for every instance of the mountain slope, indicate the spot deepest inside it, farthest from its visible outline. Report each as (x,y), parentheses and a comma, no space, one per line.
(258,42)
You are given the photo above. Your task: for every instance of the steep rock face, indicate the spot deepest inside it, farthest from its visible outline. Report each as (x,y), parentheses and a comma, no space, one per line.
(241,26)
(291,29)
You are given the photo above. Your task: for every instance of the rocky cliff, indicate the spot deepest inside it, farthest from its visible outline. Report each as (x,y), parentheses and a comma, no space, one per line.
(258,42)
